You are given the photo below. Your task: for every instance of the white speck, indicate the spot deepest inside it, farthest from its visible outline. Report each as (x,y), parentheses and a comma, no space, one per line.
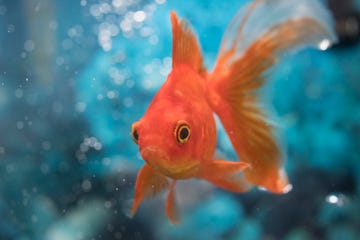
(337,199)
(153,40)
(324,44)
(53,25)
(130,83)
(97,146)
(3,10)
(75,31)
(119,57)
(90,142)
(107,204)
(125,26)
(111,94)
(20,125)
(139,16)
(2,150)
(113,72)
(11,28)
(44,168)
(314,90)
(148,69)
(95,10)
(166,66)
(60,61)
(80,107)
(119,79)
(104,7)
(104,38)
(128,102)
(19,93)
(100,97)
(114,30)
(34,218)
(46,145)
(23,55)
(160,1)
(106,161)
(167,61)
(29,45)
(146,31)
(84,147)
(67,44)
(57,107)
(117,3)
(10,168)
(86,185)
(332,199)
(83,3)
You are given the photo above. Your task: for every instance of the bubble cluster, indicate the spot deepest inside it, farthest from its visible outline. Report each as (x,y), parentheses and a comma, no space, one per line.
(120,17)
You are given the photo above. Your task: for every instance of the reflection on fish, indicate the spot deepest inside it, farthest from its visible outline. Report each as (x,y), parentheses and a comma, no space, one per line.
(177,134)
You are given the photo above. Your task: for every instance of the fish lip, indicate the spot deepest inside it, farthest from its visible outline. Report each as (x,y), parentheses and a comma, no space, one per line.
(153,155)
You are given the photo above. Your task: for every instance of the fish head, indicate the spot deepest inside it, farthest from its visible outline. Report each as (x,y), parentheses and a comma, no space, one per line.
(174,137)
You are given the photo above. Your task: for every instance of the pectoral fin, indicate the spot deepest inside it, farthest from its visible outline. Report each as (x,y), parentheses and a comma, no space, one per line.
(148,184)
(225,174)
(171,208)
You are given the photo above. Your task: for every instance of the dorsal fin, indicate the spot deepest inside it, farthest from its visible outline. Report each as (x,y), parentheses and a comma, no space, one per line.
(185,49)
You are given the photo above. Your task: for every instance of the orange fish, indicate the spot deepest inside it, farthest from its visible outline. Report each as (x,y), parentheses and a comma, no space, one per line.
(177,134)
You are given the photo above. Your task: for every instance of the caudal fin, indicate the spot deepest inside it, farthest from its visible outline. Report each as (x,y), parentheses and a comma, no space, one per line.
(252,44)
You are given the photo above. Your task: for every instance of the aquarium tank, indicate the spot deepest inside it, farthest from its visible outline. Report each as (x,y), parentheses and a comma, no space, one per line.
(75,75)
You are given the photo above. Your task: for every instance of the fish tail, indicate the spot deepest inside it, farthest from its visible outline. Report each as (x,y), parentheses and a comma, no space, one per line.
(252,44)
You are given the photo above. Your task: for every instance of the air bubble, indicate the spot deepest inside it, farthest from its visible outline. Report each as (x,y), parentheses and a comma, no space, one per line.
(29,45)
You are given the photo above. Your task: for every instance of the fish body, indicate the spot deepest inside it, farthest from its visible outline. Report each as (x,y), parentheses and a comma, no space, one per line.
(174,105)
(177,134)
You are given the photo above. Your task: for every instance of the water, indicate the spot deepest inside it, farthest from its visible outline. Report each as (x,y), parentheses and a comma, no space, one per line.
(74,75)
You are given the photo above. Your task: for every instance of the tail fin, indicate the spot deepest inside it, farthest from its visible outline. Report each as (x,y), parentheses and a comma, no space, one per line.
(251,45)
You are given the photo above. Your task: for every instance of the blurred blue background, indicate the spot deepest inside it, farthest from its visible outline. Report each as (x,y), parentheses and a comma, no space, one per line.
(74,75)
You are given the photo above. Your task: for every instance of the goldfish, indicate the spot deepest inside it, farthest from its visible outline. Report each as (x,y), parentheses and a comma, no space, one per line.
(177,135)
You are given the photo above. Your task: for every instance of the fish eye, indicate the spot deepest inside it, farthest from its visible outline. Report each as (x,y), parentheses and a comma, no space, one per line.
(134,133)
(182,132)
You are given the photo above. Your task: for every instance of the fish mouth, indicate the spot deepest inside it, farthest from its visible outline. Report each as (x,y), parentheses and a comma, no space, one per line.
(170,167)
(154,156)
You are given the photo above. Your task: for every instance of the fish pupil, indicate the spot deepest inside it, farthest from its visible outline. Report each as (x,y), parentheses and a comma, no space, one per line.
(135,136)
(184,133)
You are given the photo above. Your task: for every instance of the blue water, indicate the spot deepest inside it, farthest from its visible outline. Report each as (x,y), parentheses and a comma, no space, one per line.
(74,75)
